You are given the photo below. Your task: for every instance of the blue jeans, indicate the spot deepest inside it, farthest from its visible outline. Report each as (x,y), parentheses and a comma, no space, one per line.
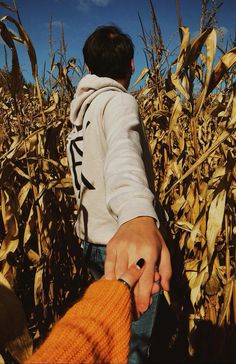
(141,330)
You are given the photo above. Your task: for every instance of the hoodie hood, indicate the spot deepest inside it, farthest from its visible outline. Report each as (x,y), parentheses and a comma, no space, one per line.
(88,88)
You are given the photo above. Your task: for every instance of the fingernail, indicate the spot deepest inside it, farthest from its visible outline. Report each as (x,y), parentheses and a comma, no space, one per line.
(140,263)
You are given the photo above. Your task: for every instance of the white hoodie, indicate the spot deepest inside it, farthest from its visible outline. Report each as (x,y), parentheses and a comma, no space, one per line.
(109,159)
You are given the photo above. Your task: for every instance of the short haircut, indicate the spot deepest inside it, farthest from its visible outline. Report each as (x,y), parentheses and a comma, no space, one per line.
(108,52)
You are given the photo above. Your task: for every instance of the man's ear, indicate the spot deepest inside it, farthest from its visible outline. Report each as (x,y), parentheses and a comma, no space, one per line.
(132,66)
(87,69)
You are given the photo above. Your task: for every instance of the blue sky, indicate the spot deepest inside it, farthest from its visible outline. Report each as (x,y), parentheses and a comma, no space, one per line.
(81,17)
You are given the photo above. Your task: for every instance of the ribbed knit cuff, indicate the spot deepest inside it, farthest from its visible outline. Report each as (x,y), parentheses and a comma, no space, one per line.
(95,330)
(109,291)
(136,208)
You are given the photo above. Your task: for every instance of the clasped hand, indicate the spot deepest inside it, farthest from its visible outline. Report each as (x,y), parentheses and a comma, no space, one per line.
(135,239)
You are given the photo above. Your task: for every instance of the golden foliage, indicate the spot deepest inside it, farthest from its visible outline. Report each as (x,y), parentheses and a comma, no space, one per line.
(191,131)
(189,115)
(40,256)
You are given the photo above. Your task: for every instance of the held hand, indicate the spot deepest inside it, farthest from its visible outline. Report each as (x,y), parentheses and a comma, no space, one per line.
(134,239)
(133,274)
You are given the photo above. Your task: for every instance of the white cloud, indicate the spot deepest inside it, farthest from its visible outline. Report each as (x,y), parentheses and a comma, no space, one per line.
(86,5)
(83,6)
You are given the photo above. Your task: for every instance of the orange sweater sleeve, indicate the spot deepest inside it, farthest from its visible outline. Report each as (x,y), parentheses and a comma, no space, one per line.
(95,330)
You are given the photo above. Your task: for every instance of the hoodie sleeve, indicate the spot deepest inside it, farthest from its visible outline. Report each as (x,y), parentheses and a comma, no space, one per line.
(127,190)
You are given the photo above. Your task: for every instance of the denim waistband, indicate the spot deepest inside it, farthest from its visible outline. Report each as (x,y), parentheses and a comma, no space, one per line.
(87,243)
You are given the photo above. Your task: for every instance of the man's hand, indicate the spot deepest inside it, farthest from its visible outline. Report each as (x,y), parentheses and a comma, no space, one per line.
(135,239)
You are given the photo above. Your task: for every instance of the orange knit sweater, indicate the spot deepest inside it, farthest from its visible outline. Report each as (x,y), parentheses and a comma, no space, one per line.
(95,330)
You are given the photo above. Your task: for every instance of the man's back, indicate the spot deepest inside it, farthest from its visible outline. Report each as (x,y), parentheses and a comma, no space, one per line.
(105,158)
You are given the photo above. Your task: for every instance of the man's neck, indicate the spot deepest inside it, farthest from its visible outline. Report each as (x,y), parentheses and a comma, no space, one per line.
(125,81)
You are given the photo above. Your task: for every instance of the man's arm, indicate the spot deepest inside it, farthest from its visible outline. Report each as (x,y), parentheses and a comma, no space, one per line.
(130,201)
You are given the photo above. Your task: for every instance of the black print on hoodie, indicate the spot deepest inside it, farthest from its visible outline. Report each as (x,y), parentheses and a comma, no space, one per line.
(76,152)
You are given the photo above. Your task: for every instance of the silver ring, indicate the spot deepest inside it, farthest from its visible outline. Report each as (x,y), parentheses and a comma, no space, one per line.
(124,282)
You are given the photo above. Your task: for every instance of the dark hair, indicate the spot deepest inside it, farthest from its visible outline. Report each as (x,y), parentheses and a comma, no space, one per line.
(108,52)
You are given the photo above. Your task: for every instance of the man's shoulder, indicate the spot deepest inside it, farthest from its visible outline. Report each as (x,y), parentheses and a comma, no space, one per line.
(121,98)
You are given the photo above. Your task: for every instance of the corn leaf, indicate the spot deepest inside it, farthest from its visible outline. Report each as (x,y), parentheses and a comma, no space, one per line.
(215,219)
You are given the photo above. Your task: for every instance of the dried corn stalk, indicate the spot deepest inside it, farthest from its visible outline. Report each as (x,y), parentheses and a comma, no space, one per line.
(40,256)
(192,138)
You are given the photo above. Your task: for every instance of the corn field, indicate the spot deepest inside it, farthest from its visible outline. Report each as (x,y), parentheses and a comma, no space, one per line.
(189,112)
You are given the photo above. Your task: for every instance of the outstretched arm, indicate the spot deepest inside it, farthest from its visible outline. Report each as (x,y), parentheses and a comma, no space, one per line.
(130,201)
(96,329)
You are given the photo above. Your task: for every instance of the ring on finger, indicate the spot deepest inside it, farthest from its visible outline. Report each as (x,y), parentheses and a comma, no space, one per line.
(125,283)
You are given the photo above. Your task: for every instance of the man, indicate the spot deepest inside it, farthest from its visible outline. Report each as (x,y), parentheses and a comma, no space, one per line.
(113,179)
